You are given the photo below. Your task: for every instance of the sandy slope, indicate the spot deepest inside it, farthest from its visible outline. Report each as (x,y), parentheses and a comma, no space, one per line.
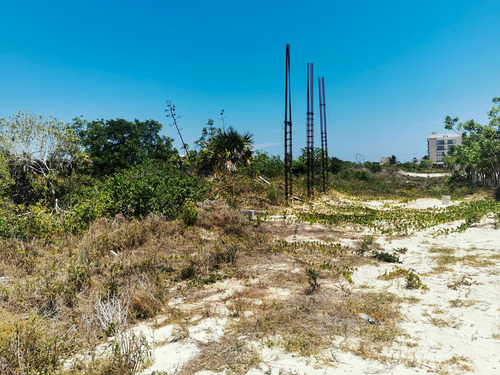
(425,175)
(454,327)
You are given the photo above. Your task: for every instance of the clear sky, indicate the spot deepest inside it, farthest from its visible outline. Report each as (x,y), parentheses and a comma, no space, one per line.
(393,69)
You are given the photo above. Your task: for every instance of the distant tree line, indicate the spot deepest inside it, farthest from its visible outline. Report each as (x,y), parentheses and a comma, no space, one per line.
(62,176)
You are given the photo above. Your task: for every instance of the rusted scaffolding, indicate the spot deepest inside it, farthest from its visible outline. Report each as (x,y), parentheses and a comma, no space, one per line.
(310,132)
(324,139)
(288,129)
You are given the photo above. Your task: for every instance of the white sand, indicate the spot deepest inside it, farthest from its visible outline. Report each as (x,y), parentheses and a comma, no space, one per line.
(425,175)
(468,331)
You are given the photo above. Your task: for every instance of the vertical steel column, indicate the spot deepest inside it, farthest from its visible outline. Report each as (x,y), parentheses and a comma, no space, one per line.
(288,129)
(324,139)
(310,132)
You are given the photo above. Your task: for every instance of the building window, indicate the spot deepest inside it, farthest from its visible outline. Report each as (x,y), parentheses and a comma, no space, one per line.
(441,153)
(451,141)
(440,148)
(439,160)
(440,142)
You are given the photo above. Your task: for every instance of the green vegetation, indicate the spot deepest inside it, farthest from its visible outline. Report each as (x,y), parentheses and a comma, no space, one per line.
(478,158)
(398,220)
(120,144)
(312,279)
(102,223)
(412,278)
(223,149)
(385,257)
(39,154)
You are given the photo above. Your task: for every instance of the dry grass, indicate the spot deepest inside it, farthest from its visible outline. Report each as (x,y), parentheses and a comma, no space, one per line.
(61,281)
(442,250)
(230,354)
(147,265)
(132,268)
(496,335)
(306,325)
(301,324)
(454,365)
(445,260)
(442,323)
(462,303)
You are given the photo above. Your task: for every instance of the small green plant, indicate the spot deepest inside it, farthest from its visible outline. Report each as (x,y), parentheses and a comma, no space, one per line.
(365,244)
(312,278)
(77,277)
(385,257)
(412,278)
(272,194)
(189,214)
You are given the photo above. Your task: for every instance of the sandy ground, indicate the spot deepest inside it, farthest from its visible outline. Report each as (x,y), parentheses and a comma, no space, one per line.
(425,175)
(455,325)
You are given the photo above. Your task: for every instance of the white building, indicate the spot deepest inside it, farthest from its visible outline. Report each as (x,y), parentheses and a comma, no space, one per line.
(439,144)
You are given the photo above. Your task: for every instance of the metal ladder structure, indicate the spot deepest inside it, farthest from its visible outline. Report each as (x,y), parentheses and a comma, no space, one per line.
(310,132)
(324,140)
(288,130)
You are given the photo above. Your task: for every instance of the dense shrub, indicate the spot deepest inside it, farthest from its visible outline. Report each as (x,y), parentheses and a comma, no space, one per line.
(148,188)
(36,220)
(362,175)
(265,165)
(373,167)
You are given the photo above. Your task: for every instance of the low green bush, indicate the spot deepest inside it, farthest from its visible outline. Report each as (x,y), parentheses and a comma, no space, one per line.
(385,257)
(189,214)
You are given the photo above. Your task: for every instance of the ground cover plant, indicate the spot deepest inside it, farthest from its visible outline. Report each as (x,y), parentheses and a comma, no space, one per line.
(92,252)
(395,219)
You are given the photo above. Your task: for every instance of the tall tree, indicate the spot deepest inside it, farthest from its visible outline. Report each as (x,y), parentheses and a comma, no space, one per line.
(39,150)
(119,144)
(478,157)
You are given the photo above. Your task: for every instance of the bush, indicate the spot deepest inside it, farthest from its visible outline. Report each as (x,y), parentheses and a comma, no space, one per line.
(373,167)
(28,347)
(189,214)
(272,194)
(82,215)
(27,222)
(385,257)
(362,175)
(264,165)
(151,187)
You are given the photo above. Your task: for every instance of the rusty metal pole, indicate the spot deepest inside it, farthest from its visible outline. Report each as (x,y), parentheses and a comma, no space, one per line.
(324,139)
(288,129)
(310,132)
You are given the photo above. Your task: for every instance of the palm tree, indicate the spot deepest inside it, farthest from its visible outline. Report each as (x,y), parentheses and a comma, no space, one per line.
(227,149)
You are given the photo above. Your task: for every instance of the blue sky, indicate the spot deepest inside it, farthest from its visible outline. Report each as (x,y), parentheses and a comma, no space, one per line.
(393,69)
